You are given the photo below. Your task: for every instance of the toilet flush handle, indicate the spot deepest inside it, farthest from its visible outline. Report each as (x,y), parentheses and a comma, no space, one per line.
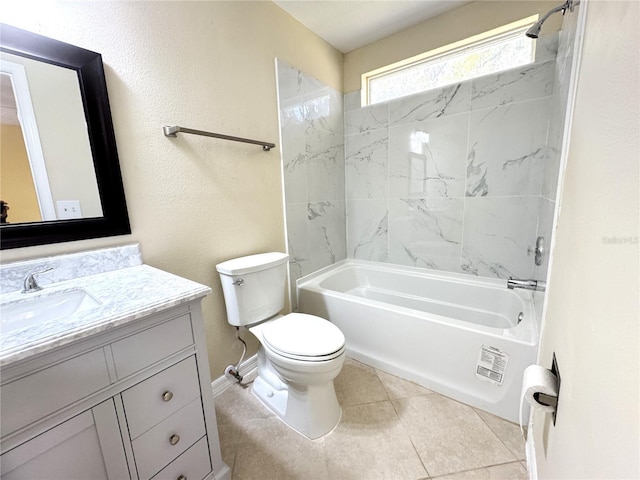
(239,282)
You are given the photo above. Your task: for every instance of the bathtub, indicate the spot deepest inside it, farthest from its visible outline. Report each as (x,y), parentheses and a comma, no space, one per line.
(469,338)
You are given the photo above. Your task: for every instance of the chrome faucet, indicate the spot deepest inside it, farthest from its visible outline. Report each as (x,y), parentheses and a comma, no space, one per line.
(30,283)
(537,285)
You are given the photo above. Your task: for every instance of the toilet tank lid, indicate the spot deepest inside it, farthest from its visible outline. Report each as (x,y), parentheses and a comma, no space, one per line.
(252,263)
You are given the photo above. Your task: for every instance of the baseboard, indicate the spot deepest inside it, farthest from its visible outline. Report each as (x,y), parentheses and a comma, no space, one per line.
(247,369)
(223,474)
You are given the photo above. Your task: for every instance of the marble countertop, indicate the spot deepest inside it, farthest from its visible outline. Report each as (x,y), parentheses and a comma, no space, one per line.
(125,295)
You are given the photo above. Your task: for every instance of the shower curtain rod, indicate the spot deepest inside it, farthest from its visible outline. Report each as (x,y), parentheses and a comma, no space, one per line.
(173,130)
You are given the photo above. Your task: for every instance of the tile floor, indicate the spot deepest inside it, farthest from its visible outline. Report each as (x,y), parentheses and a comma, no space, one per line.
(390,429)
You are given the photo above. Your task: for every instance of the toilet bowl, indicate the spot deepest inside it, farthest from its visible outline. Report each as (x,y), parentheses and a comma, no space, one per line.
(301,392)
(300,354)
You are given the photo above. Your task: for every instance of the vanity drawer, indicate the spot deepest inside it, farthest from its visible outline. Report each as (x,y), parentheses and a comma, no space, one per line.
(145,348)
(194,464)
(171,437)
(153,400)
(37,395)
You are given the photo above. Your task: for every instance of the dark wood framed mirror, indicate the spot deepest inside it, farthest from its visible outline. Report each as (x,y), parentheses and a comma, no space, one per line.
(114,219)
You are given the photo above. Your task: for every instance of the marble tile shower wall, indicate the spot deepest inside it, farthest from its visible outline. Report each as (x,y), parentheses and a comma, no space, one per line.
(557,117)
(453,179)
(312,140)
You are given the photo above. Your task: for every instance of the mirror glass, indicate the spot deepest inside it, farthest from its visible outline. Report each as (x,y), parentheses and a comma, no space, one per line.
(59,176)
(45,175)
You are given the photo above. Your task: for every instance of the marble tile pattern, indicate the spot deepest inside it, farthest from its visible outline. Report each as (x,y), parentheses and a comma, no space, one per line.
(298,239)
(326,227)
(125,295)
(366,119)
(68,266)
(564,41)
(515,85)
(390,429)
(436,103)
(426,233)
(498,232)
(466,165)
(547,46)
(312,139)
(367,229)
(428,158)
(366,157)
(496,167)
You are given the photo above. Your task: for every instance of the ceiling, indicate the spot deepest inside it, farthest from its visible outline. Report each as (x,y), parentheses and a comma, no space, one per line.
(350,24)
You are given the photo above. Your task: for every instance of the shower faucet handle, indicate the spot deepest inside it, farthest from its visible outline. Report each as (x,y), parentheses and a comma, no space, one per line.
(538,250)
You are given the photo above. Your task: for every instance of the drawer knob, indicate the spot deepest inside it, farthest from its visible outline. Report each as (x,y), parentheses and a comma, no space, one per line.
(182,477)
(174,439)
(167,396)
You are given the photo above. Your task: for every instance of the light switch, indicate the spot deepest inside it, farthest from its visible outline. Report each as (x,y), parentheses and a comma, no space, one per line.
(68,209)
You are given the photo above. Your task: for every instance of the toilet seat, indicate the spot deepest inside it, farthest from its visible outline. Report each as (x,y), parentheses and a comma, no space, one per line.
(303,337)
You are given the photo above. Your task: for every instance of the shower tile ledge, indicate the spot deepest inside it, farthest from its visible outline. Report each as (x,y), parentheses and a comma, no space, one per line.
(125,295)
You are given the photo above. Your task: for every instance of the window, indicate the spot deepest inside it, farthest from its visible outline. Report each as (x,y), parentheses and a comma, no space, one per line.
(494,51)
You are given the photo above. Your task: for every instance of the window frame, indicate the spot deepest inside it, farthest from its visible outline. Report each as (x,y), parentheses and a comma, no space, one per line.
(481,40)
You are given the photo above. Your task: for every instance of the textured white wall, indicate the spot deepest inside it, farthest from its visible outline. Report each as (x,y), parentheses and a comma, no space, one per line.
(592,315)
(193,201)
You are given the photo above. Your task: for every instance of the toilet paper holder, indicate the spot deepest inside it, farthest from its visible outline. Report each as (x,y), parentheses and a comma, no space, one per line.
(541,388)
(547,400)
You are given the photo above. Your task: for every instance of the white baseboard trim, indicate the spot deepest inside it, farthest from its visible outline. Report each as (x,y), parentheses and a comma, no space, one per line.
(248,369)
(223,474)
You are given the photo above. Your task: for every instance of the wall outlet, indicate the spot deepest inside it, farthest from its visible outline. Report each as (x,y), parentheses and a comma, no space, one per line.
(68,209)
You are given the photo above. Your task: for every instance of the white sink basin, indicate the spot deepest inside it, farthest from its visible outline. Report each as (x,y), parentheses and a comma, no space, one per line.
(30,311)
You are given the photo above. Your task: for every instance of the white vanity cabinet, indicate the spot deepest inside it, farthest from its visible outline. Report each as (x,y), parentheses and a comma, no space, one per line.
(87,446)
(132,402)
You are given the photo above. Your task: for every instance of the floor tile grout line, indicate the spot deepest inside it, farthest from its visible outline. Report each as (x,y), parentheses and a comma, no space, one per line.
(496,434)
(473,469)
(235,456)
(410,439)
(325,456)
(242,436)
(392,397)
(515,459)
(366,402)
(372,402)
(236,444)
(382,383)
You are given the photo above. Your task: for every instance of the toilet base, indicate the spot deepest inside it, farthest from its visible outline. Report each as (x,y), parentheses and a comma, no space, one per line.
(312,413)
(311,410)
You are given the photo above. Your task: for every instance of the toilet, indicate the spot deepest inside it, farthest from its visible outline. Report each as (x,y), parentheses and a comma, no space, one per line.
(300,354)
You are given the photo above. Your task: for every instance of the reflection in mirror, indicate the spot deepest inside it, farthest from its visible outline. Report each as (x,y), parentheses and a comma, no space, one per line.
(16,180)
(60,177)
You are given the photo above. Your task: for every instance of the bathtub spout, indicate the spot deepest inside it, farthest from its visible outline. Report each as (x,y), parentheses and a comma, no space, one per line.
(537,285)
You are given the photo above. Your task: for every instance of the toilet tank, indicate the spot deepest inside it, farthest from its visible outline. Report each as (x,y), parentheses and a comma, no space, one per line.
(253,287)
